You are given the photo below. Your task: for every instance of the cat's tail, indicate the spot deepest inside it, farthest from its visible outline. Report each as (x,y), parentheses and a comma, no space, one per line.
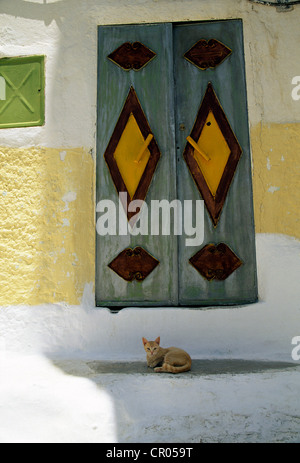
(166,367)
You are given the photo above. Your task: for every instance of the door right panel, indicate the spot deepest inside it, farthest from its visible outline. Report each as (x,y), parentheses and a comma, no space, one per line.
(214,164)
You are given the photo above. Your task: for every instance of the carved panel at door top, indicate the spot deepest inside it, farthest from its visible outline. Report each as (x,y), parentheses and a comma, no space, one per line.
(207,53)
(132,56)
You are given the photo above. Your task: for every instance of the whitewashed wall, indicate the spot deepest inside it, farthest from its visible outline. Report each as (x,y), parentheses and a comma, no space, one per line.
(66,32)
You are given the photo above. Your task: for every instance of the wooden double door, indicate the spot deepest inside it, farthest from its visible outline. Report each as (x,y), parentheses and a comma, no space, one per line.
(172,130)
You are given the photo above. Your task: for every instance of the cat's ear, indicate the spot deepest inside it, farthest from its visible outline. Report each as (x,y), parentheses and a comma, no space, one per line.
(157,340)
(144,341)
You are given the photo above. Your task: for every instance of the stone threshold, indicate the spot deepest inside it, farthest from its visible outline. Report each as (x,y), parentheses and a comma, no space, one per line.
(205,367)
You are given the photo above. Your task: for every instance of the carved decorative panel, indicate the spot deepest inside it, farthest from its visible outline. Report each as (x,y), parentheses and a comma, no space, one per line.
(134,264)
(132,153)
(207,53)
(212,153)
(215,262)
(132,56)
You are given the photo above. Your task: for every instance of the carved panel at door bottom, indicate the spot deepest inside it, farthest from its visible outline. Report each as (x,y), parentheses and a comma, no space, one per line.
(215,262)
(133,264)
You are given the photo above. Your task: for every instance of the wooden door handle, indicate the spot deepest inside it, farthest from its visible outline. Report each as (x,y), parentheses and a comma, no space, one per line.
(197,148)
(143,148)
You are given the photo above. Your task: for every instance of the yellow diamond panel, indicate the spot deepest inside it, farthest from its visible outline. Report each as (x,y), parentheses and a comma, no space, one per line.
(128,156)
(213,143)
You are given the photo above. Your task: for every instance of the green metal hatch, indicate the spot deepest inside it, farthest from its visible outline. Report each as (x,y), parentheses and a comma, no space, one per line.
(22,91)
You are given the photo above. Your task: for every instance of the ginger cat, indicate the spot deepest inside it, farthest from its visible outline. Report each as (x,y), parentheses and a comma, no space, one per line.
(172,359)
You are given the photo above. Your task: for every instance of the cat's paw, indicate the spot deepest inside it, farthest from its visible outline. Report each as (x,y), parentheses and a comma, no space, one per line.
(158,369)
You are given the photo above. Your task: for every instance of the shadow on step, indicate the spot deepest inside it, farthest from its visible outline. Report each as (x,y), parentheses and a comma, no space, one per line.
(199,367)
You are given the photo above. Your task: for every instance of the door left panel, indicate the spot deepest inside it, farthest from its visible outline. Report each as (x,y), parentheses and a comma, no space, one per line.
(135,99)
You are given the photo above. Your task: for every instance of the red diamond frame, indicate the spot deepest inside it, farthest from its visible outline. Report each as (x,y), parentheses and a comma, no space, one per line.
(132,106)
(214,204)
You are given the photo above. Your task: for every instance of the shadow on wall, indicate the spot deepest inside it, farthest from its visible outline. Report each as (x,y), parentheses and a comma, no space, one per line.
(71,65)
(50,255)
(46,12)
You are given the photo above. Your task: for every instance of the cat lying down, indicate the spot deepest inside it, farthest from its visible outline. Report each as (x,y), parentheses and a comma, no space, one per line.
(170,360)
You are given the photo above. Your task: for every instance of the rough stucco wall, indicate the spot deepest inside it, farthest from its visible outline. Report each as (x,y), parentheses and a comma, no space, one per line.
(276,173)
(47,237)
(46,243)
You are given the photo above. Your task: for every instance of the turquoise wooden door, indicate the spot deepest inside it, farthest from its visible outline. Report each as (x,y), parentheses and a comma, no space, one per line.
(135,100)
(212,108)
(172,125)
